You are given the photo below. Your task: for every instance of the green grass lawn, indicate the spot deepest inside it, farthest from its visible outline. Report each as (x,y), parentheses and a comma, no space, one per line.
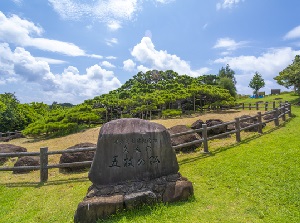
(257,180)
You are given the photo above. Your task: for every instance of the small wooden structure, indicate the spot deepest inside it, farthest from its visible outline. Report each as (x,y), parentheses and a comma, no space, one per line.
(275,91)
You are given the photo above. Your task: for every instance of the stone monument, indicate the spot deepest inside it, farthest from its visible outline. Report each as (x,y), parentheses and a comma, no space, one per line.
(134,164)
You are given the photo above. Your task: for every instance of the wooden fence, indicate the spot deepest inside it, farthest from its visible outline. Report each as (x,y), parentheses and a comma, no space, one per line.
(278,113)
(250,106)
(8,134)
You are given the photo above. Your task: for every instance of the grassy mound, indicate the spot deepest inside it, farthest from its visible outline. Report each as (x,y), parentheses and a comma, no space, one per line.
(257,180)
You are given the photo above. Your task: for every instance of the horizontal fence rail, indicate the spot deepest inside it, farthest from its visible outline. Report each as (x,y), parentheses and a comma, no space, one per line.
(8,134)
(280,112)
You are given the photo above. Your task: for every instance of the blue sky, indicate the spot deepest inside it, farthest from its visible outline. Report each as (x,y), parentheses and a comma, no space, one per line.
(72,50)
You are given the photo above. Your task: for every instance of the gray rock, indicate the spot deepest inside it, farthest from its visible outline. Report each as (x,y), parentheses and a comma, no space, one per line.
(134,200)
(91,209)
(184,138)
(10,148)
(179,191)
(26,161)
(134,164)
(217,130)
(77,157)
(132,149)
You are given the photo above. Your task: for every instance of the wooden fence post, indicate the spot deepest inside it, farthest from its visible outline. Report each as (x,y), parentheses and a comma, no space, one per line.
(276,120)
(243,105)
(249,106)
(266,106)
(43,164)
(237,129)
(283,111)
(274,105)
(204,136)
(290,110)
(259,128)
(256,105)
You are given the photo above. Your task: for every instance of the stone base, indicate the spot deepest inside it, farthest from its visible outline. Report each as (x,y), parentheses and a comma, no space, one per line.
(102,201)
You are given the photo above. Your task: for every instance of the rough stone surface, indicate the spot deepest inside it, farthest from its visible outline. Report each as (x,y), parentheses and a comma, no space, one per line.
(269,117)
(26,161)
(179,191)
(230,127)
(91,209)
(11,137)
(184,138)
(77,157)
(134,165)
(215,131)
(137,199)
(10,148)
(249,120)
(197,125)
(133,194)
(132,149)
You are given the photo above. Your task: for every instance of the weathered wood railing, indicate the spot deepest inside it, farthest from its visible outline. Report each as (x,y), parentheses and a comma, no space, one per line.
(281,112)
(7,134)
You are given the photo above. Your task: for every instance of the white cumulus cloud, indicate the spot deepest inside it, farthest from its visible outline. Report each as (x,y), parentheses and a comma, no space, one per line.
(112,41)
(145,53)
(111,12)
(227,4)
(107,64)
(26,34)
(129,65)
(69,86)
(268,64)
(228,44)
(293,34)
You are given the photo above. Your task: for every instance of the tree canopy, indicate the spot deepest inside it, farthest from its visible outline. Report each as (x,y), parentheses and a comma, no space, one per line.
(290,76)
(154,93)
(224,75)
(13,114)
(256,83)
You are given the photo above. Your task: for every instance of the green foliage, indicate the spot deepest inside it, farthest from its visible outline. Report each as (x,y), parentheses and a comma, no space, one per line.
(209,79)
(171,113)
(227,72)
(226,83)
(61,121)
(226,75)
(13,115)
(141,96)
(290,76)
(256,83)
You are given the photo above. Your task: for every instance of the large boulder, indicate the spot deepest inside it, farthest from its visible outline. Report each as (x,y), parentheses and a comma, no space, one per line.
(10,148)
(77,157)
(269,117)
(217,130)
(248,119)
(198,125)
(14,135)
(26,161)
(184,138)
(134,165)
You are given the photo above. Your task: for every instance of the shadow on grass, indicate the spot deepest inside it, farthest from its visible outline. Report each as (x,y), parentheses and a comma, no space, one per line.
(48,183)
(244,141)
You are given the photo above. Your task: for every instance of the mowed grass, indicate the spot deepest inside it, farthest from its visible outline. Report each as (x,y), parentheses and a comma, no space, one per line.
(257,180)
